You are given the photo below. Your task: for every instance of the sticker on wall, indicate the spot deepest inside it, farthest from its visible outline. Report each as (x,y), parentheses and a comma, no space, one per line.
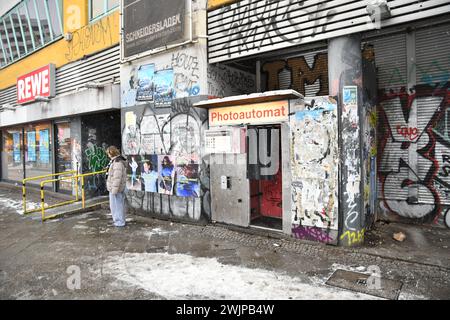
(44,152)
(133,173)
(349,96)
(149,173)
(187,184)
(145,88)
(16,147)
(166,170)
(350,104)
(31,146)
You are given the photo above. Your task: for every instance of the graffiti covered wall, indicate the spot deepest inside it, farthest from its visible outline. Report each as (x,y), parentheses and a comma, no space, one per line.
(314,165)
(306,74)
(162,134)
(413,135)
(98,132)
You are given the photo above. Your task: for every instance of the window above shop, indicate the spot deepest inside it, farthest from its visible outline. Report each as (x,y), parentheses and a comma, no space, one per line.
(28,26)
(100,8)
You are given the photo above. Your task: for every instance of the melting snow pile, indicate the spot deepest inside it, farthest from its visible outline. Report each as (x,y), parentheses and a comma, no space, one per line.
(180,276)
(17,205)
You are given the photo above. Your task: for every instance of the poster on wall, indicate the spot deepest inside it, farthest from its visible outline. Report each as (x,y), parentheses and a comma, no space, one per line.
(152,24)
(187,184)
(31,146)
(134,173)
(155,134)
(131,136)
(149,173)
(44,152)
(16,147)
(166,170)
(164,93)
(145,86)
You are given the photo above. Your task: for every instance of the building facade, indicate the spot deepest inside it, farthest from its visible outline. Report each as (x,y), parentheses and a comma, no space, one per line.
(309,118)
(59,88)
(395,56)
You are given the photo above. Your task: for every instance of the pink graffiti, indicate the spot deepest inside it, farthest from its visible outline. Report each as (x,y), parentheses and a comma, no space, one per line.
(312,233)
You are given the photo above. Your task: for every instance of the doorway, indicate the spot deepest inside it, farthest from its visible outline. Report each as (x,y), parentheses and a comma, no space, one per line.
(63,154)
(264,173)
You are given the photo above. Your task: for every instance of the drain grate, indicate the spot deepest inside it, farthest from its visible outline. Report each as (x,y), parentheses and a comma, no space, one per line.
(360,282)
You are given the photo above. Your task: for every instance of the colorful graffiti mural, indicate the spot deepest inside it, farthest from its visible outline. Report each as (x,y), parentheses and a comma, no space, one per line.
(413,163)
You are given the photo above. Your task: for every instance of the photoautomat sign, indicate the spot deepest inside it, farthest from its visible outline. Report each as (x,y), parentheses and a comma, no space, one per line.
(152,24)
(270,112)
(38,83)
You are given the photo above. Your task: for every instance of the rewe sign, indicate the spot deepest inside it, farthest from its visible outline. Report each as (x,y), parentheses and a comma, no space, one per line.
(40,82)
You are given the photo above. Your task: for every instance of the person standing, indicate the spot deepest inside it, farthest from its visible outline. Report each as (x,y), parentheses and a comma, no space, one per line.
(115,183)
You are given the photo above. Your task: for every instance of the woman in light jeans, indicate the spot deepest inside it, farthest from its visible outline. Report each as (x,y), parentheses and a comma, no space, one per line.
(115,183)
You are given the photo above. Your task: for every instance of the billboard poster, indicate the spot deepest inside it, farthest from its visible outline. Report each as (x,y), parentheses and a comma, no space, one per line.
(134,172)
(187,184)
(166,170)
(152,24)
(31,146)
(149,173)
(44,150)
(16,147)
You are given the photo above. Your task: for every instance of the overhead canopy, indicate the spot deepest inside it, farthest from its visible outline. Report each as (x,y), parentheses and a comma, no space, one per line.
(267,96)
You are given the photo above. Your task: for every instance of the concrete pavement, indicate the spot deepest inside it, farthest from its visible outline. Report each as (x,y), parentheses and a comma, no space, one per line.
(156,259)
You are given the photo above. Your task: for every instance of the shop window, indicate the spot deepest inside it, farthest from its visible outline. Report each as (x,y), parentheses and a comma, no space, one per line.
(99,8)
(37,151)
(12,154)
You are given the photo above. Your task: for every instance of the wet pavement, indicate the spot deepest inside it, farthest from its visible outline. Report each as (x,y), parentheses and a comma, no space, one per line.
(83,256)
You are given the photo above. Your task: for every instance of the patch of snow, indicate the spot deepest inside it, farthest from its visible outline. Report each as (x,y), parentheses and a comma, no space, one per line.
(18,205)
(410,296)
(158,232)
(180,276)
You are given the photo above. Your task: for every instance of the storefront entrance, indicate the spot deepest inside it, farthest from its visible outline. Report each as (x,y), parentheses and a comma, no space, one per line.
(266,205)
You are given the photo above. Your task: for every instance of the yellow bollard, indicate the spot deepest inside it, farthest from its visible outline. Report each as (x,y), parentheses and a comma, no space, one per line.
(42,202)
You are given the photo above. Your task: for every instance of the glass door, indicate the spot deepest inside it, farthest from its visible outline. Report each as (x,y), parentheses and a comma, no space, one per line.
(63,153)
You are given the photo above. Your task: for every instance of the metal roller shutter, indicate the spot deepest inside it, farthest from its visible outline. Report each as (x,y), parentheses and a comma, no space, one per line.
(390,58)
(433,69)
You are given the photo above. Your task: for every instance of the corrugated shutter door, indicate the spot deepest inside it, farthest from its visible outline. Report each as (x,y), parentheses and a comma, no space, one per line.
(390,58)
(433,69)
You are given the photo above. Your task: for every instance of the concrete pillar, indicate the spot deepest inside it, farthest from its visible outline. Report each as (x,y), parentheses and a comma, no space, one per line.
(345,77)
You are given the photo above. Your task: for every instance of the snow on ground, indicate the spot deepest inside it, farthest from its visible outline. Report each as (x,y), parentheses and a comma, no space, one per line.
(17,205)
(158,232)
(180,276)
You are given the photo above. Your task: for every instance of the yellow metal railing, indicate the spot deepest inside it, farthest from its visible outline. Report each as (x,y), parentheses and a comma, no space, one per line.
(24,188)
(83,198)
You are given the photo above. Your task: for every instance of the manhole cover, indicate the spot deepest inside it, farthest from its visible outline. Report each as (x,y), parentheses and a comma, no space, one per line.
(360,282)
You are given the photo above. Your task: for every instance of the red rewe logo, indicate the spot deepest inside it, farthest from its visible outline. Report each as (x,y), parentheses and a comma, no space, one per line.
(40,82)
